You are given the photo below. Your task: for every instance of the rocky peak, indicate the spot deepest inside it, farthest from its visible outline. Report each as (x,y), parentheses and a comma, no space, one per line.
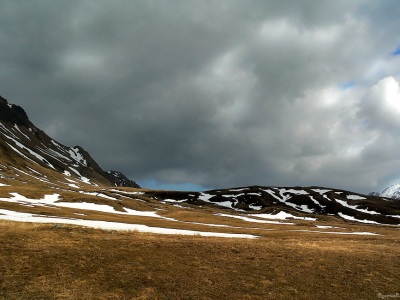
(11,113)
(120,179)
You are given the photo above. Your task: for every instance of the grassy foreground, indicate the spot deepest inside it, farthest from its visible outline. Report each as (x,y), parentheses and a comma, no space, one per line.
(45,262)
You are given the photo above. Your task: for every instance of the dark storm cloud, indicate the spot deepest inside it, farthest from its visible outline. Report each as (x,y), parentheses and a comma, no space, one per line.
(214,93)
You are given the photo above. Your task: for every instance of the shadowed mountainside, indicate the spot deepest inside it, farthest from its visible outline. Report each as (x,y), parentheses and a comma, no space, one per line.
(24,148)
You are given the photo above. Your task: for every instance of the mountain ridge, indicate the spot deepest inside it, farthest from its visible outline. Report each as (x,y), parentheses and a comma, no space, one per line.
(303,201)
(22,141)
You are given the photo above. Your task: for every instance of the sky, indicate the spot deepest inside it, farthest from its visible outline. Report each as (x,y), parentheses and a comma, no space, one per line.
(204,94)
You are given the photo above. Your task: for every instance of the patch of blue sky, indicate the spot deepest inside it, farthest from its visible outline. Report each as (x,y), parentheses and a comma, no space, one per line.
(396,51)
(157,185)
(348,85)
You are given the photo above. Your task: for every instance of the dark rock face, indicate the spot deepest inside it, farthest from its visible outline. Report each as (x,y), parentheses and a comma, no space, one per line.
(120,179)
(10,113)
(374,194)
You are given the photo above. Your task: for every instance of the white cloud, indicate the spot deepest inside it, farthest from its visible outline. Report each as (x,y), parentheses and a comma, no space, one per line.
(381,106)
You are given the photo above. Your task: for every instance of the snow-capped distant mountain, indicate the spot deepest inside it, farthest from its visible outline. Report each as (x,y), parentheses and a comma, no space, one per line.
(28,154)
(392,191)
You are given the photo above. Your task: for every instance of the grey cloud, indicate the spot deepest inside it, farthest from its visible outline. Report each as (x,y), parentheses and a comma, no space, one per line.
(212,93)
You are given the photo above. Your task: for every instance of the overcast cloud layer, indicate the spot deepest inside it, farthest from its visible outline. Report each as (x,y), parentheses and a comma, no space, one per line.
(214,93)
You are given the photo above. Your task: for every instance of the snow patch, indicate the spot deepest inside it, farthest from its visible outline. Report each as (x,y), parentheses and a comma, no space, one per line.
(252,219)
(255,207)
(321,191)
(355,197)
(355,207)
(16,127)
(205,197)
(126,192)
(325,226)
(293,191)
(77,156)
(238,190)
(357,220)
(97,194)
(338,232)
(282,216)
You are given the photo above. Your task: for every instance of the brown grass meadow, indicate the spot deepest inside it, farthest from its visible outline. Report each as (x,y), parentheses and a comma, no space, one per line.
(42,261)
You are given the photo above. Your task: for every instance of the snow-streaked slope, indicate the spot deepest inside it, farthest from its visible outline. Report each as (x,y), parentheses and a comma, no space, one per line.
(301,202)
(27,217)
(29,149)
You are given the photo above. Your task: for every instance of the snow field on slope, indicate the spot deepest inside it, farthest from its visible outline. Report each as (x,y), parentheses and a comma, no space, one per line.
(247,219)
(206,198)
(282,216)
(350,218)
(51,201)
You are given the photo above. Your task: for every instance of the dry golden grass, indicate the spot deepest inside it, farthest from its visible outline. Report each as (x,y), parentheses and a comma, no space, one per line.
(44,262)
